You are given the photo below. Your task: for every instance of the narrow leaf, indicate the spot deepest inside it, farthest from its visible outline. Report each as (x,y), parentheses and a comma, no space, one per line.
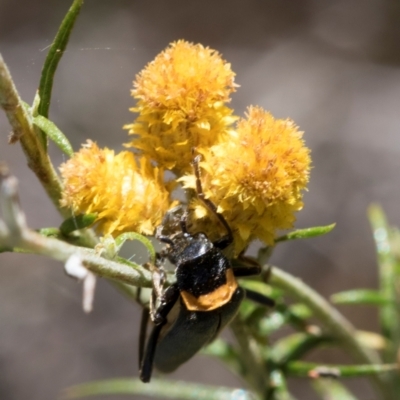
(53,57)
(51,130)
(305,369)
(306,233)
(158,388)
(121,239)
(295,346)
(360,296)
(282,315)
(389,316)
(297,315)
(77,222)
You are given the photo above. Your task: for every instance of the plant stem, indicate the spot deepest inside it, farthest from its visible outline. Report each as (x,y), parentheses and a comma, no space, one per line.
(253,366)
(14,232)
(302,369)
(61,251)
(158,388)
(336,324)
(24,131)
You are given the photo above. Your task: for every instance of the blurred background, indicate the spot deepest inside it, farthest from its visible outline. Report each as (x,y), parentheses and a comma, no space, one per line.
(330,65)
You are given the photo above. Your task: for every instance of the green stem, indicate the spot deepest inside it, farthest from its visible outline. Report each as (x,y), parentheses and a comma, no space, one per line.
(24,131)
(333,321)
(302,369)
(253,365)
(158,388)
(61,251)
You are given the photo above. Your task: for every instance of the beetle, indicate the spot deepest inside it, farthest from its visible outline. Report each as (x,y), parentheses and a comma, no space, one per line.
(203,300)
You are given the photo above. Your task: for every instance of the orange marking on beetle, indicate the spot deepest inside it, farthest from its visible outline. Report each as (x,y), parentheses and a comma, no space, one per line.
(216,299)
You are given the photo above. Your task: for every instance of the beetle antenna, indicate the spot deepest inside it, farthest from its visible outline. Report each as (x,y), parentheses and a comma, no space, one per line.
(209,204)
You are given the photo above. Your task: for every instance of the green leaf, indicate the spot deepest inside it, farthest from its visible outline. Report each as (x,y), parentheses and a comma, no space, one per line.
(51,130)
(261,287)
(77,222)
(53,57)
(294,346)
(157,388)
(360,296)
(267,325)
(121,239)
(308,369)
(389,315)
(280,316)
(306,233)
(300,311)
(331,389)
(297,315)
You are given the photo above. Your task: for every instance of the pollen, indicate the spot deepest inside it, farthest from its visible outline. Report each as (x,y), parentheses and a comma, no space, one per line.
(256,176)
(128,195)
(181,100)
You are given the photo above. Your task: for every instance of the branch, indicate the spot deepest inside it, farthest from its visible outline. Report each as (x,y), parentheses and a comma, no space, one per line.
(23,130)
(14,232)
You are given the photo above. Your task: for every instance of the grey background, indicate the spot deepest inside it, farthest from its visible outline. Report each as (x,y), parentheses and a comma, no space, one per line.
(331,65)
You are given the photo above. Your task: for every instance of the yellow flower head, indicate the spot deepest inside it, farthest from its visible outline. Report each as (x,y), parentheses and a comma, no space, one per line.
(255,177)
(181,104)
(126,196)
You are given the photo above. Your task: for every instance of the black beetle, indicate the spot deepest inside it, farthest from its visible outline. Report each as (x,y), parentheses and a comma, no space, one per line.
(204,299)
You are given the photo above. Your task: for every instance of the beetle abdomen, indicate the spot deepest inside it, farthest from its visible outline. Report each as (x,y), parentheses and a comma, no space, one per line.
(191,331)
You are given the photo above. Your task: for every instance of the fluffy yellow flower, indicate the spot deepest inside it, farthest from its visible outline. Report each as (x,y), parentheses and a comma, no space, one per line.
(181,104)
(126,196)
(255,177)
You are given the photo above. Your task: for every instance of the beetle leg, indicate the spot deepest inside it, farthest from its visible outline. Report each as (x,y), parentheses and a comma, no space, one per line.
(168,300)
(161,237)
(246,271)
(226,240)
(142,333)
(146,366)
(246,266)
(259,298)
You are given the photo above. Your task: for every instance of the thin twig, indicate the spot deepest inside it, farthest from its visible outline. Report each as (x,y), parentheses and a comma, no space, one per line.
(15,233)
(25,132)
